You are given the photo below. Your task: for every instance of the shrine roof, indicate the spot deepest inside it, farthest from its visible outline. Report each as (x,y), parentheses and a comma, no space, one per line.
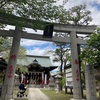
(44,61)
(3,64)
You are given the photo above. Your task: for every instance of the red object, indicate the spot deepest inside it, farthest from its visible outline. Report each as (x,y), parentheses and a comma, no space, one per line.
(9,76)
(47,81)
(76,62)
(13,57)
(77,78)
(42,83)
(77,75)
(10,71)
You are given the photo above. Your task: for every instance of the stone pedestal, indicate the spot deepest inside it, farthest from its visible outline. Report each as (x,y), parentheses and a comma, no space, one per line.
(58,79)
(90,83)
(51,83)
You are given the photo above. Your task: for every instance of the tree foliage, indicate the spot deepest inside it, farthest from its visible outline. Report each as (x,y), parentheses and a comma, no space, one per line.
(91,53)
(34,14)
(77,15)
(38,10)
(5,46)
(23,69)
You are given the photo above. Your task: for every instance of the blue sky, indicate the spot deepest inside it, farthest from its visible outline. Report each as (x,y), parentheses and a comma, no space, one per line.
(35,47)
(95,4)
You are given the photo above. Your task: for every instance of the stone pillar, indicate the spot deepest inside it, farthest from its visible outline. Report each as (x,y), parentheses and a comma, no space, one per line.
(77,95)
(22,77)
(45,79)
(7,89)
(90,83)
(42,79)
(45,82)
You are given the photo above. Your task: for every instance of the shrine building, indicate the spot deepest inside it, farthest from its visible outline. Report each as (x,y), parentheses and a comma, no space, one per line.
(39,68)
(3,65)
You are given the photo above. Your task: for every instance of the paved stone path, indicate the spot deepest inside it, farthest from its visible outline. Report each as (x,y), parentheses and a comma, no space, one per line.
(36,94)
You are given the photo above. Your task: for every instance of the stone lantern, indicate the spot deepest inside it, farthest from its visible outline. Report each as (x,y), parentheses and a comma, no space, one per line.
(57,81)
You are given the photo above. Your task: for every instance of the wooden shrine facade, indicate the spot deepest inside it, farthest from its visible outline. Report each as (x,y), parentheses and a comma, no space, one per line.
(39,68)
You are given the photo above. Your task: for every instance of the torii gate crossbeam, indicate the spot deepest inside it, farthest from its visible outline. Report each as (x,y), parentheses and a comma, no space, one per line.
(40,37)
(58,28)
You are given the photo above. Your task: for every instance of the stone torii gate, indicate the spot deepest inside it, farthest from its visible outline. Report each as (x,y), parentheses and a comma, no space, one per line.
(17,34)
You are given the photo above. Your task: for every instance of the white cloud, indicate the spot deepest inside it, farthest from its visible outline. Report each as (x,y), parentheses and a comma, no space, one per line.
(54,63)
(95,13)
(43,52)
(96,16)
(28,42)
(36,51)
(30,30)
(10,27)
(39,51)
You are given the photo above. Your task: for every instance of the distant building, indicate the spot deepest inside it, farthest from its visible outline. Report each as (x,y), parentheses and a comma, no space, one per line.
(3,64)
(3,67)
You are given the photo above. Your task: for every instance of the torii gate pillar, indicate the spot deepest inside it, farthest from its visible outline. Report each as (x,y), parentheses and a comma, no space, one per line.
(7,90)
(77,94)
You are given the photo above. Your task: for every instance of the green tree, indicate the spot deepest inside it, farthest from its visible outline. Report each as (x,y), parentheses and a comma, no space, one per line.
(37,10)
(77,15)
(91,52)
(5,46)
(23,69)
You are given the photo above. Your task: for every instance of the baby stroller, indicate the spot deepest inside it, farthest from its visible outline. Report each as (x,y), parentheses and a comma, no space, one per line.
(22,90)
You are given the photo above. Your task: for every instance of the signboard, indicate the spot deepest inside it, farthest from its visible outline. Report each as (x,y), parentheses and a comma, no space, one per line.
(68,77)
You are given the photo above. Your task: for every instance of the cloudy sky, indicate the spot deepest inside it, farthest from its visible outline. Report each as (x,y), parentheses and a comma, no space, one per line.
(92,5)
(35,47)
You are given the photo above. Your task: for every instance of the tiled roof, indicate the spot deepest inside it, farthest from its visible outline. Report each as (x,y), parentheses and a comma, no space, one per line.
(44,61)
